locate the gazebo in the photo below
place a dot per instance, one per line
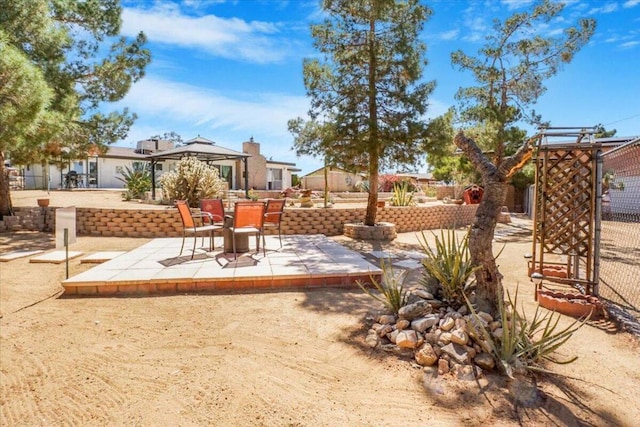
(201, 148)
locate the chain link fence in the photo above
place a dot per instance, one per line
(620, 237)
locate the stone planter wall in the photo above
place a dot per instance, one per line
(165, 222)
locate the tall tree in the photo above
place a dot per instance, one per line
(76, 48)
(509, 72)
(366, 102)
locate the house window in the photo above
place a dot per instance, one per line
(274, 179)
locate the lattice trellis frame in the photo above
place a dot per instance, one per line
(565, 215)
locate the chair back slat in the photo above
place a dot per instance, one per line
(273, 211)
(214, 207)
(185, 214)
(248, 214)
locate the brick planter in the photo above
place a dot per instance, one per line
(571, 304)
(380, 231)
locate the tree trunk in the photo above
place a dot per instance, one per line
(494, 178)
(6, 208)
(372, 201)
(488, 278)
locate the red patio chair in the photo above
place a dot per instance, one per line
(248, 218)
(189, 225)
(273, 216)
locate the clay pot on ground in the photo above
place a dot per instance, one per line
(43, 203)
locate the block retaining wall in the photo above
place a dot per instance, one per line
(165, 222)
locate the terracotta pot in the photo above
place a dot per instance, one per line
(43, 203)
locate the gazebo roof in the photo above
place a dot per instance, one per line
(202, 148)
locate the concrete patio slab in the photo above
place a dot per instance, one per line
(158, 267)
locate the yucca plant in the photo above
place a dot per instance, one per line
(524, 343)
(137, 179)
(391, 291)
(449, 263)
(402, 194)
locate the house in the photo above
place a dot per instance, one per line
(338, 180)
(103, 170)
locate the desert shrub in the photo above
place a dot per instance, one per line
(137, 180)
(449, 263)
(524, 344)
(402, 194)
(390, 289)
(192, 180)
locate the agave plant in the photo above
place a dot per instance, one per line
(137, 179)
(524, 343)
(402, 194)
(391, 292)
(449, 263)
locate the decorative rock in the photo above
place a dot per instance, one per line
(423, 294)
(485, 361)
(444, 338)
(443, 367)
(456, 352)
(424, 323)
(470, 351)
(384, 330)
(459, 336)
(372, 339)
(407, 339)
(415, 310)
(447, 324)
(461, 324)
(467, 372)
(495, 325)
(425, 356)
(387, 319)
(431, 337)
(485, 316)
(402, 324)
(497, 333)
(391, 336)
(463, 310)
(435, 303)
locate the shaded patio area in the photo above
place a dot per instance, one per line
(304, 261)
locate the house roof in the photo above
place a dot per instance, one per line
(123, 153)
(202, 148)
(331, 169)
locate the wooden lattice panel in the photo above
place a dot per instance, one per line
(564, 219)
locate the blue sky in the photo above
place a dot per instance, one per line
(230, 70)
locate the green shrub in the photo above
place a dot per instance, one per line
(450, 264)
(137, 180)
(192, 180)
(392, 293)
(524, 343)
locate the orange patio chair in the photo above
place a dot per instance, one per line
(248, 218)
(189, 225)
(273, 216)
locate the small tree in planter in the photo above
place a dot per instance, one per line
(192, 180)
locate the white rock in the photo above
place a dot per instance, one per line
(495, 325)
(402, 324)
(387, 319)
(407, 339)
(424, 323)
(463, 310)
(497, 333)
(443, 367)
(425, 355)
(459, 336)
(444, 338)
(391, 336)
(485, 316)
(422, 294)
(447, 324)
(372, 339)
(384, 330)
(456, 352)
(461, 323)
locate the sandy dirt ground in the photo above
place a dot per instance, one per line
(267, 359)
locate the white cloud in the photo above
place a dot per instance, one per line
(166, 101)
(630, 3)
(253, 41)
(607, 8)
(629, 45)
(449, 35)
